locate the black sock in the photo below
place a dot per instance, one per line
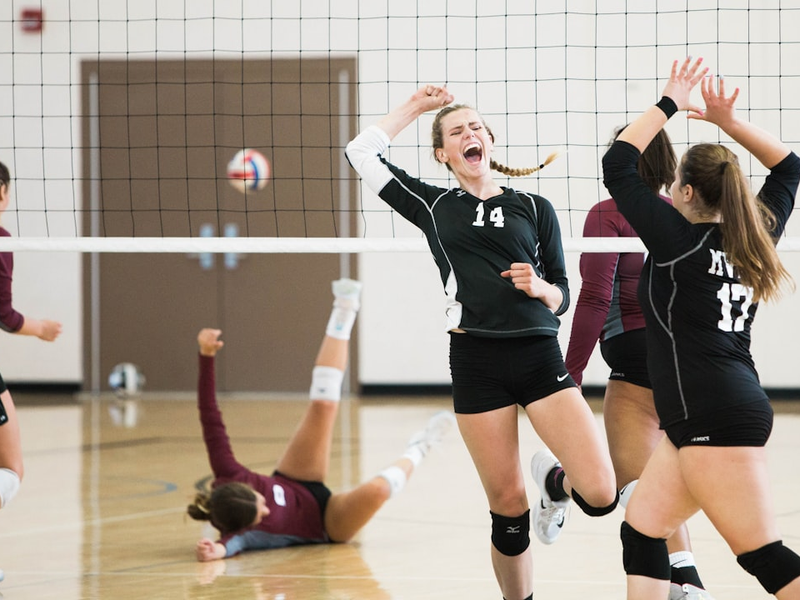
(686, 575)
(554, 484)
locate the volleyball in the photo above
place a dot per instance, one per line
(126, 380)
(248, 170)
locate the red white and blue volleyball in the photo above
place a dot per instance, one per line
(248, 170)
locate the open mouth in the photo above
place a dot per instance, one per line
(473, 153)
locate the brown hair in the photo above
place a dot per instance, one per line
(437, 137)
(229, 507)
(657, 163)
(5, 175)
(747, 225)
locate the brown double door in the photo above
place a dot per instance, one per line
(158, 136)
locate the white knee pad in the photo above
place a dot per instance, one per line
(326, 383)
(9, 486)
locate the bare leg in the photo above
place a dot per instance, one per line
(10, 440)
(657, 510)
(716, 478)
(348, 512)
(492, 441)
(633, 433)
(567, 426)
(307, 457)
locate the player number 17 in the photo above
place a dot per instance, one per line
(734, 295)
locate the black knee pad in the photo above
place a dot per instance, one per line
(594, 511)
(643, 555)
(511, 535)
(774, 565)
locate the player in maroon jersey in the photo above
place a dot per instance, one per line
(293, 506)
(11, 321)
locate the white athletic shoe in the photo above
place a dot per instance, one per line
(425, 439)
(688, 591)
(549, 515)
(347, 293)
(2, 575)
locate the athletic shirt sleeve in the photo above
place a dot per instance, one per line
(665, 232)
(472, 242)
(552, 251)
(594, 300)
(779, 190)
(364, 153)
(10, 320)
(220, 454)
(412, 198)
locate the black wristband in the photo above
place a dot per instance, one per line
(667, 105)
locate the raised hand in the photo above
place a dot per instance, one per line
(209, 342)
(682, 81)
(432, 97)
(719, 108)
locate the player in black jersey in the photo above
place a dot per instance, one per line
(710, 262)
(500, 259)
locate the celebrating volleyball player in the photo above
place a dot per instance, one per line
(293, 506)
(11, 468)
(711, 259)
(608, 309)
(502, 266)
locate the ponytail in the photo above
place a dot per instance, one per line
(522, 172)
(747, 225)
(437, 140)
(229, 507)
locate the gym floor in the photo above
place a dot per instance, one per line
(101, 512)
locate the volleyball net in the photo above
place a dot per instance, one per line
(120, 119)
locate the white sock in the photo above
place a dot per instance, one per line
(9, 486)
(415, 454)
(625, 493)
(681, 559)
(396, 477)
(341, 323)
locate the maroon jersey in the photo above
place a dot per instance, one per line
(295, 516)
(607, 304)
(10, 319)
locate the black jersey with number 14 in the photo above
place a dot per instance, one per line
(472, 242)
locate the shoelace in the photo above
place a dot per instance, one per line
(551, 513)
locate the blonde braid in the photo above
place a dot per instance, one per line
(493, 164)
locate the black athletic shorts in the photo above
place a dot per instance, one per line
(626, 355)
(3, 387)
(491, 373)
(741, 425)
(318, 489)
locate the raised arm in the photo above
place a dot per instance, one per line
(764, 146)
(428, 97)
(675, 97)
(220, 454)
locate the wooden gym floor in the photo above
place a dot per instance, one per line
(101, 512)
